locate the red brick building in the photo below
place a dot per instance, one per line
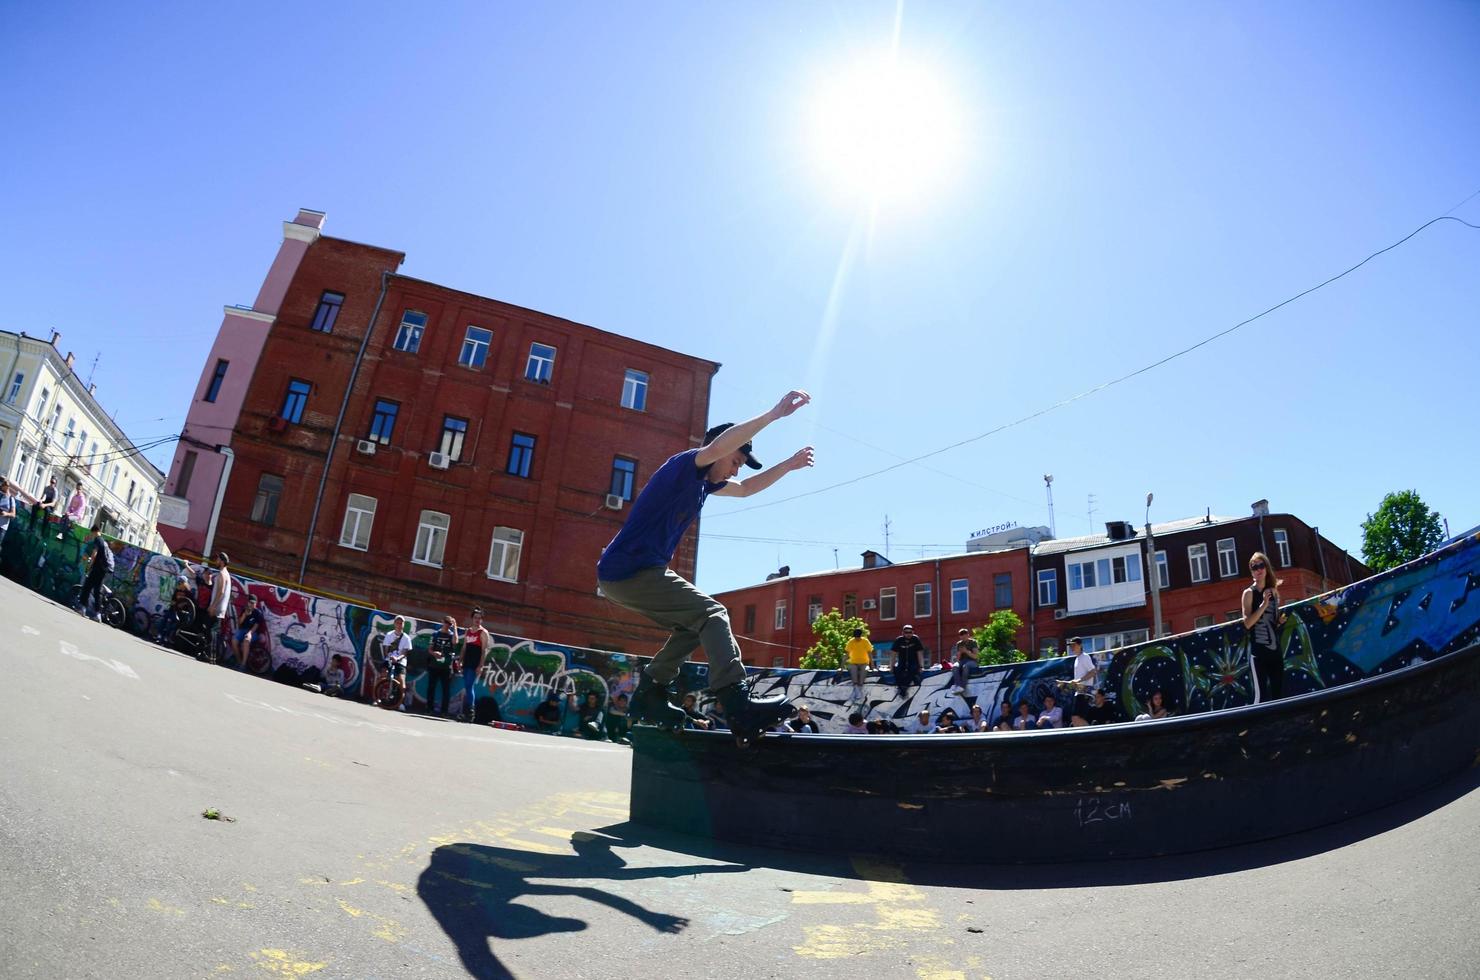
(428, 450)
(937, 596)
(1096, 587)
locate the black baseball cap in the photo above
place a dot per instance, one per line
(714, 433)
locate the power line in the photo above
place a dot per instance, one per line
(1111, 383)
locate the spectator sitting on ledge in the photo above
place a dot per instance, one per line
(1101, 711)
(856, 725)
(547, 715)
(696, 718)
(946, 723)
(1052, 716)
(593, 719)
(803, 723)
(1024, 720)
(1155, 708)
(921, 725)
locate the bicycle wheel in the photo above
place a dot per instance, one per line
(138, 621)
(114, 613)
(184, 607)
(383, 691)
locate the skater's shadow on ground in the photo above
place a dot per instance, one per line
(473, 891)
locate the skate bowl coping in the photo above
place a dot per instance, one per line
(1134, 789)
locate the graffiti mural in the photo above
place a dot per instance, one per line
(1417, 612)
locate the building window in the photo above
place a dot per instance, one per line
(850, 605)
(1197, 559)
(521, 454)
(475, 347)
(1125, 568)
(1282, 546)
(634, 390)
(749, 619)
(1048, 587)
(1082, 575)
(541, 364)
(888, 608)
(219, 375)
(503, 554)
(295, 401)
(20, 378)
(1002, 590)
(383, 422)
(1202, 622)
(814, 609)
(71, 434)
(408, 335)
(265, 505)
(41, 405)
(624, 477)
(187, 470)
(922, 599)
(960, 596)
(431, 538)
(780, 614)
(1227, 558)
(1163, 573)
(133, 487)
(359, 515)
(56, 417)
(454, 430)
(328, 312)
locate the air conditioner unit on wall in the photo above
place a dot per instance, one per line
(871, 603)
(366, 446)
(438, 461)
(614, 501)
(1060, 613)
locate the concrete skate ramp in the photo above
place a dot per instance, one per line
(1136, 789)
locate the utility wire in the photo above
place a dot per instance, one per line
(1111, 383)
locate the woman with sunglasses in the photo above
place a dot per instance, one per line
(1262, 618)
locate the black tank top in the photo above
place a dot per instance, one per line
(1263, 633)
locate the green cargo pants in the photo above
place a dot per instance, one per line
(695, 619)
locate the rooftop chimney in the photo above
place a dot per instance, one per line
(314, 219)
(92, 389)
(56, 335)
(69, 359)
(1261, 508)
(1118, 530)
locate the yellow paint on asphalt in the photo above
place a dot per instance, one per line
(900, 919)
(156, 905)
(388, 929)
(285, 964)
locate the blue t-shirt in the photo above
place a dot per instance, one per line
(660, 516)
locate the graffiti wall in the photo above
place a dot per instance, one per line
(1419, 611)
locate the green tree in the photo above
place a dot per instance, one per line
(1402, 529)
(833, 633)
(998, 639)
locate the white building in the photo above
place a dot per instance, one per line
(52, 426)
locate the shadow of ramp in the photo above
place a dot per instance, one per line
(474, 892)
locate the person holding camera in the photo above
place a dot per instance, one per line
(1262, 618)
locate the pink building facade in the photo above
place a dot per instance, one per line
(204, 452)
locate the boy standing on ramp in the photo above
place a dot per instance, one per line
(633, 571)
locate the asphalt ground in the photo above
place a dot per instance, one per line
(367, 843)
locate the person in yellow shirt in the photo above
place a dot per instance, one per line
(860, 651)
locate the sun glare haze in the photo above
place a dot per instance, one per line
(885, 130)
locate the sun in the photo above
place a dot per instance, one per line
(885, 130)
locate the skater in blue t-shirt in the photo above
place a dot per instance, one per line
(633, 571)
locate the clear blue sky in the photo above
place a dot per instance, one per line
(1130, 179)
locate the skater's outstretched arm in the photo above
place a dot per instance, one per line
(799, 460)
(740, 433)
